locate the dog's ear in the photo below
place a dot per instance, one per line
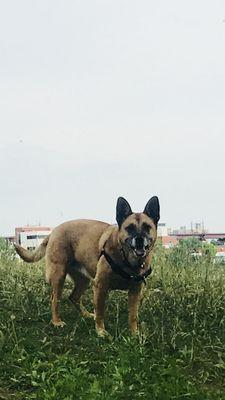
(152, 209)
(123, 210)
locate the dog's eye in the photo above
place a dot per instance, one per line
(131, 229)
(146, 228)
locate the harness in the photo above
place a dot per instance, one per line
(118, 269)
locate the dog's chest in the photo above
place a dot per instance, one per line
(118, 283)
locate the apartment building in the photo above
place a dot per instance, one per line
(31, 237)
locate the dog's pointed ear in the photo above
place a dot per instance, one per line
(152, 209)
(123, 210)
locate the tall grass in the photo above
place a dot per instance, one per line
(179, 353)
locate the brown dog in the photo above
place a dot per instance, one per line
(111, 256)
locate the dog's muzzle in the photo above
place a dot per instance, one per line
(140, 245)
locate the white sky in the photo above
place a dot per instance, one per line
(106, 98)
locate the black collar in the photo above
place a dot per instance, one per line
(124, 274)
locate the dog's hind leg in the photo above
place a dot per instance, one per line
(57, 278)
(81, 285)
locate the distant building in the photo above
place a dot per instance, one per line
(31, 237)
(183, 229)
(207, 236)
(196, 228)
(10, 239)
(163, 233)
(162, 229)
(169, 241)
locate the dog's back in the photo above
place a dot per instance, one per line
(75, 243)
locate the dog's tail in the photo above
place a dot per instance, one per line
(34, 255)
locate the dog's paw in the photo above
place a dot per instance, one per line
(59, 323)
(87, 314)
(103, 334)
(134, 331)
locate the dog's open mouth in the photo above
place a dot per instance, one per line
(139, 253)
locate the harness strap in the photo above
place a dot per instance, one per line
(118, 270)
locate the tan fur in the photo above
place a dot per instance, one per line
(74, 248)
(34, 255)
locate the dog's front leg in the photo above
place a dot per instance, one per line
(100, 295)
(100, 288)
(134, 295)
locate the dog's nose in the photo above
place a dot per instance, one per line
(139, 246)
(139, 243)
(135, 243)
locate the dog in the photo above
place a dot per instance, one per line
(109, 256)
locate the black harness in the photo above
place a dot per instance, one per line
(133, 277)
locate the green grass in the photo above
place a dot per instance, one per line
(179, 353)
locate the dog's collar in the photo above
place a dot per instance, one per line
(124, 274)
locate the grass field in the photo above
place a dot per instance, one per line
(179, 353)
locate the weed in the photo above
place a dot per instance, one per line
(179, 353)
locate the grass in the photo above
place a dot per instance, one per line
(179, 353)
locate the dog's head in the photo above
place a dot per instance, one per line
(137, 231)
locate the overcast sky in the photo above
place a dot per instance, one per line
(106, 98)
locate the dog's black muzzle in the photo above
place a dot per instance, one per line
(140, 245)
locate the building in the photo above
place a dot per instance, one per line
(31, 237)
(10, 239)
(163, 233)
(196, 228)
(162, 229)
(169, 241)
(208, 237)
